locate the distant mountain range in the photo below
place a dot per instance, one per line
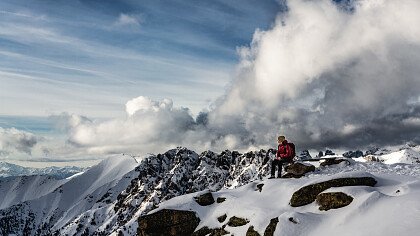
(8, 170)
(108, 198)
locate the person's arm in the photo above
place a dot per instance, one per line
(278, 155)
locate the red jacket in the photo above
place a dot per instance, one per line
(284, 151)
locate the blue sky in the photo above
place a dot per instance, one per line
(90, 57)
(80, 80)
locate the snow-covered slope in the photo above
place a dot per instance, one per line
(18, 189)
(8, 169)
(108, 198)
(391, 207)
(407, 156)
(76, 196)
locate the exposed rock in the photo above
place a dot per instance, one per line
(222, 218)
(333, 200)
(291, 175)
(299, 169)
(329, 153)
(269, 231)
(353, 154)
(320, 154)
(220, 199)
(236, 221)
(259, 187)
(205, 199)
(304, 155)
(212, 232)
(252, 232)
(168, 222)
(332, 161)
(307, 194)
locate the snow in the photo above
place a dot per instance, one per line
(391, 207)
(109, 197)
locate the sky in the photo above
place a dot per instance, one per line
(84, 79)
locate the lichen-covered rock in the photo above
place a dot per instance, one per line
(237, 221)
(299, 169)
(205, 199)
(269, 231)
(251, 232)
(333, 161)
(212, 232)
(333, 200)
(307, 194)
(168, 222)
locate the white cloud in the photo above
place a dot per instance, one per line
(125, 19)
(322, 76)
(14, 141)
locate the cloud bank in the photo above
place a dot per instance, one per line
(14, 141)
(322, 75)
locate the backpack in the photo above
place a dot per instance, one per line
(293, 148)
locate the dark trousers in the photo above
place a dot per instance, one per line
(278, 163)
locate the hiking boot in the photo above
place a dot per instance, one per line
(271, 177)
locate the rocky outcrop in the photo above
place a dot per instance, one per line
(297, 170)
(308, 194)
(353, 154)
(269, 231)
(333, 200)
(237, 221)
(332, 161)
(205, 199)
(252, 232)
(206, 231)
(168, 222)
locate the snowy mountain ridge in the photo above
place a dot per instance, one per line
(8, 170)
(111, 196)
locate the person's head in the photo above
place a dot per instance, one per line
(281, 138)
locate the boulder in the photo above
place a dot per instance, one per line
(168, 222)
(205, 231)
(329, 153)
(353, 154)
(307, 194)
(299, 169)
(333, 200)
(332, 161)
(205, 199)
(222, 218)
(237, 221)
(269, 231)
(304, 155)
(251, 232)
(220, 199)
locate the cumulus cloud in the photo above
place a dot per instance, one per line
(329, 77)
(323, 75)
(16, 141)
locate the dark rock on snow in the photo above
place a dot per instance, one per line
(269, 231)
(204, 199)
(220, 199)
(205, 231)
(307, 194)
(299, 169)
(222, 218)
(334, 200)
(353, 154)
(168, 222)
(237, 221)
(252, 232)
(328, 162)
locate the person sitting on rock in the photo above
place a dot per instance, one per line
(284, 155)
